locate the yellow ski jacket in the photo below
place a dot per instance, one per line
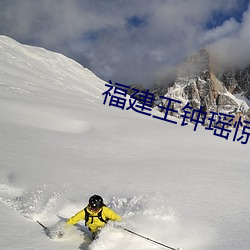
(94, 223)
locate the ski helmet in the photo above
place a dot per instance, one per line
(95, 202)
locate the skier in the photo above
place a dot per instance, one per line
(95, 214)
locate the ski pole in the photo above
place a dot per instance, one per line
(45, 228)
(146, 238)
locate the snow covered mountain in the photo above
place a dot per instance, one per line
(59, 145)
(237, 81)
(198, 84)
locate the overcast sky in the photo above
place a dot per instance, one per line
(131, 41)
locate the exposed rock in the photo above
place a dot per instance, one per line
(237, 81)
(197, 84)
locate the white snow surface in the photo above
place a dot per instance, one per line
(60, 145)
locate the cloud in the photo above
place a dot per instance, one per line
(232, 50)
(125, 41)
(228, 28)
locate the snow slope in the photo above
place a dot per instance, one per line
(60, 144)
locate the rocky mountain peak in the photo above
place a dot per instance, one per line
(197, 84)
(194, 65)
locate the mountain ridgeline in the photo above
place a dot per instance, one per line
(199, 84)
